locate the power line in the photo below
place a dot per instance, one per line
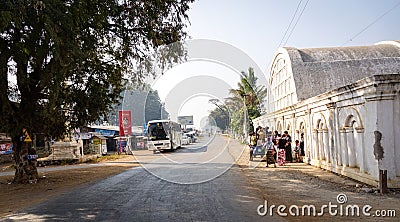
(296, 22)
(294, 15)
(372, 23)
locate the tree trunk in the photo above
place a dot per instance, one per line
(25, 161)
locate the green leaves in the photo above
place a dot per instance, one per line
(70, 58)
(248, 95)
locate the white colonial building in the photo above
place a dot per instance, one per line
(346, 101)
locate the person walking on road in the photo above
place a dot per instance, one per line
(253, 144)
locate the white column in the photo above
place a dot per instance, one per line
(361, 150)
(333, 126)
(321, 145)
(370, 125)
(315, 144)
(308, 141)
(350, 147)
(344, 159)
(325, 137)
(293, 129)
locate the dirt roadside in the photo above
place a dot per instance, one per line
(52, 183)
(299, 184)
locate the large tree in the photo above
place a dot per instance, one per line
(62, 62)
(220, 115)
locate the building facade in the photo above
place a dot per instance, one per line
(346, 101)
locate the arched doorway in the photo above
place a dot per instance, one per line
(320, 138)
(352, 139)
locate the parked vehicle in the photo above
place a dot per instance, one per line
(164, 135)
(192, 136)
(185, 140)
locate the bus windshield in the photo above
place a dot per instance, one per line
(158, 131)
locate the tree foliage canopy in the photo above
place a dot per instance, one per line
(64, 61)
(145, 104)
(251, 94)
(220, 115)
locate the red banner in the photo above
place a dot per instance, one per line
(125, 123)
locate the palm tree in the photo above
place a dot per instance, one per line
(249, 96)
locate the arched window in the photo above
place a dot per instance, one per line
(351, 139)
(354, 138)
(320, 149)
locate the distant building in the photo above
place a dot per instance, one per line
(346, 101)
(113, 139)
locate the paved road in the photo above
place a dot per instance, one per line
(197, 183)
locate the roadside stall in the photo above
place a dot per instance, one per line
(98, 145)
(124, 144)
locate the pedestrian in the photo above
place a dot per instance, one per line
(253, 144)
(275, 136)
(276, 144)
(288, 146)
(281, 156)
(268, 133)
(270, 149)
(302, 153)
(261, 136)
(297, 151)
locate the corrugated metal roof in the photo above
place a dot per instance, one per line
(319, 70)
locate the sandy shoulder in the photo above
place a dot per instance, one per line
(300, 184)
(53, 183)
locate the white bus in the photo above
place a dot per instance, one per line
(163, 135)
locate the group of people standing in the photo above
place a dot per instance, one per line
(278, 147)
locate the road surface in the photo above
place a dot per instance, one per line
(196, 183)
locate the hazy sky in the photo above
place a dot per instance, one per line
(258, 28)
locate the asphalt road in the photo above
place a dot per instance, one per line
(196, 183)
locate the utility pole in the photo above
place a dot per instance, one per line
(245, 117)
